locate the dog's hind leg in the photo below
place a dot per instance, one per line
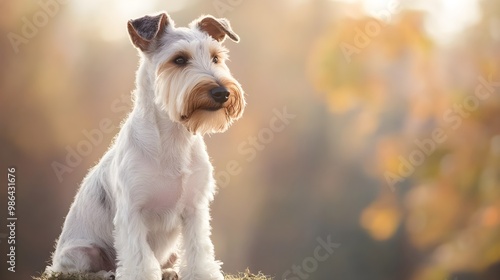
(82, 258)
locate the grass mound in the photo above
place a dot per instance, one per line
(247, 275)
(69, 276)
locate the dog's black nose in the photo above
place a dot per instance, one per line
(220, 94)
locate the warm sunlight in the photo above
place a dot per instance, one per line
(445, 18)
(109, 17)
(369, 146)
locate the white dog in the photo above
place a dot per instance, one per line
(155, 183)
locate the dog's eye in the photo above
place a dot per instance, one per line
(180, 60)
(215, 59)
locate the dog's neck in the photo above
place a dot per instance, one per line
(168, 136)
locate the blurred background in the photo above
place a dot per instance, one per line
(371, 124)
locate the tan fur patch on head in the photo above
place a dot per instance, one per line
(170, 64)
(217, 28)
(199, 99)
(236, 103)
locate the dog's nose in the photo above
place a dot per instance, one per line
(220, 94)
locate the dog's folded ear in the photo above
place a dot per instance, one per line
(217, 28)
(145, 31)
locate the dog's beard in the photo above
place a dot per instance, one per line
(204, 121)
(203, 115)
(195, 108)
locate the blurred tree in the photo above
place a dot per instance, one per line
(406, 91)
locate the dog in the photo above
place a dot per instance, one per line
(147, 200)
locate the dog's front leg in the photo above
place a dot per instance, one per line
(136, 260)
(198, 261)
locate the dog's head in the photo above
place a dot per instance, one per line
(192, 83)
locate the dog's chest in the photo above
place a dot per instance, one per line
(167, 187)
(165, 195)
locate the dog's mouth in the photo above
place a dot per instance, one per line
(209, 109)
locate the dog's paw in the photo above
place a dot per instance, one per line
(108, 275)
(169, 274)
(139, 275)
(199, 275)
(217, 276)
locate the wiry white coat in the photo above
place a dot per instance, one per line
(154, 185)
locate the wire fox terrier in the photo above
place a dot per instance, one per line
(152, 188)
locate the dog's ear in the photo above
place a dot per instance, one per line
(217, 28)
(146, 30)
